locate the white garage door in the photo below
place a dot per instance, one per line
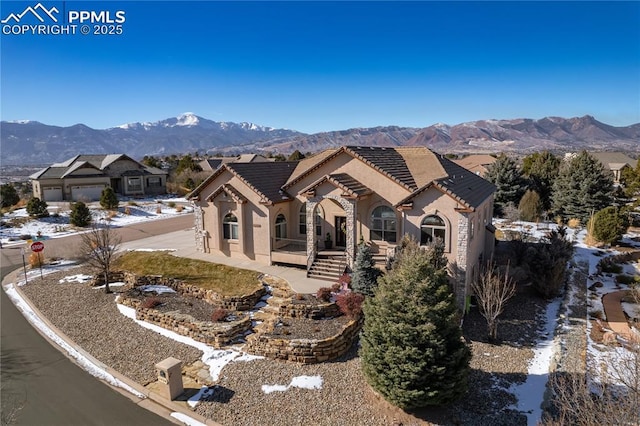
(52, 194)
(86, 192)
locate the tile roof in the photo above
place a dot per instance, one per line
(389, 161)
(265, 178)
(348, 184)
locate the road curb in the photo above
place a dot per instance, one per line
(11, 279)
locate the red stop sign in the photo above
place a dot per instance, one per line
(37, 246)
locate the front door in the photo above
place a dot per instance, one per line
(341, 231)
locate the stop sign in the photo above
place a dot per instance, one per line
(37, 246)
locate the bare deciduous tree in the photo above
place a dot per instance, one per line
(99, 247)
(612, 399)
(493, 290)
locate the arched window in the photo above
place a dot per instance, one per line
(230, 227)
(281, 227)
(302, 219)
(383, 224)
(432, 227)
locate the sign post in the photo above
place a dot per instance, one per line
(24, 264)
(37, 247)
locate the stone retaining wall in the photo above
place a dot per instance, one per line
(305, 351)
(216, 334)
(312, 311)
(231, 303)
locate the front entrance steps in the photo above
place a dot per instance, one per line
(328, 267)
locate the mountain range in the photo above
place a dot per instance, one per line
(31, 142)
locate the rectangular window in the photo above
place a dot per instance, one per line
(154, 182)
(230, 231)
(134, 184)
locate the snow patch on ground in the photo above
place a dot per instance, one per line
(303, 382)
(79, 278)
(186, 419)
(158, 289)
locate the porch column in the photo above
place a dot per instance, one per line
(311, 231)
(241, 227)
(349, 206)
(215, 234)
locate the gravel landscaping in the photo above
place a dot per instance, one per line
(90, 318)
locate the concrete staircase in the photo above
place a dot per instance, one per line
(327, 267)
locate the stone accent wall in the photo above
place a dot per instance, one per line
(305, 351)
(461, 260)
(349, 207)
(232, 303)
(98, 279)
(216, 334)
(199, 230)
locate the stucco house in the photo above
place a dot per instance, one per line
(282, 212)
(616, 162)
(83, 177)
(477, 163)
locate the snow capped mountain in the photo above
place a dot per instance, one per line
(31, 142)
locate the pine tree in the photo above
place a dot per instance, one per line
(412, 352)
(37, 208)
(609, 224)
(507, 178)
(296, 156)
(8, 195)
(530, 206)
(108, 199)
(583, 186)
(542, 169)
(80, 214)
(364, 278)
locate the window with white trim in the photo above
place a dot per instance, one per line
(302, 219)
(432, 229)
(281, 227)
(319, 219)
(383, 226)
(230, 227)
(134, 184)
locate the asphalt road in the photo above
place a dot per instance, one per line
(39, 385)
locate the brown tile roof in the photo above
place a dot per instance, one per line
(348, 184)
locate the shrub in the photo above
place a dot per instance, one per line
(365, 274)
(625, 279)
(548, 262)
(151, 302)
(350, 304)
(127, 211)
(336, 287)
(219, 314)
(37, 208)
(25, 237)
(108, 199)
(171, 204)
(530, 206)
(132, 203)
(608, 225)
(607, 265)
(324, 294)
(158, 210)
(573, 223)
(8, 195)
(179, 209)
(80, 214)
(36, 260)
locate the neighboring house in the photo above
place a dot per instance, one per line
(281, 212)
(615, 161)
(212, 164)
(83, 177)
(477, 163)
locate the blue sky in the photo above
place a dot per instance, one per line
(317, 66)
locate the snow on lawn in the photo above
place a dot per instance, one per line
(216, 359)
(303, 382)
(18, 225)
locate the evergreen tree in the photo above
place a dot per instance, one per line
(296, 156)
(8, 195)
(548, 262)
(583, 186)
(530, 206)
(364, 278)
(187, 163)
(412, 352)
(542, 169)
(37, 208)
(507, 178)
(609, 224)
(80, 214)
(630, 180)
(109, 199)
(151, 161)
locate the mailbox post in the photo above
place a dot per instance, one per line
(170, 375)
